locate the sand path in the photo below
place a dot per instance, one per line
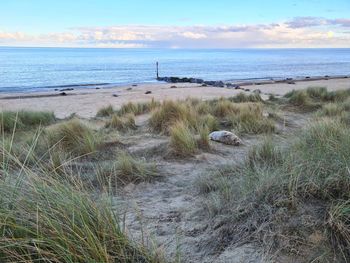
(169, 213)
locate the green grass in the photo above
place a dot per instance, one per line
(169, 113)
(73, 137)
(122, 123)
(312, 98)
(126, 169)
(248, 118)
(138, 108)
(203, 140)
(265, 196)
(105, 111)
(45, 220)
(182, 140)
(242, 97)
(210, 122)
(23, 120)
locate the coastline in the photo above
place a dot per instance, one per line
(85, 102)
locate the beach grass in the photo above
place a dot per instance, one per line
(313, 97)
(122, 123)
(105, 111)
(138, 108)
(23, 120)
(312, 171)
(169, 113)
(49, 220)
(182, 140)
(73, 136)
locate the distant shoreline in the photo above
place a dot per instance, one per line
(57, 89)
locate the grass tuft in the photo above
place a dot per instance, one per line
(23, 120)
(105, 111)
(138, 108)
(182, 140)
(169, 113)
(124, 123)
(46, 220)
(74, 137)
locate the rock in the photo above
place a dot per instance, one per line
(257, 91)
(246, 89)
(237, 87)
(63, 94)
(97, 88)
(56, 89)
(67, 89)
(219, 84)
(134, 85)
(307, 77)
(225, 137)
(115, 95)
(173, 87)
(148, 92)
(129, 89)
(204, 85)
(290, 82)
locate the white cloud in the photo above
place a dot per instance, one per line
(193, 35)
(298, 32)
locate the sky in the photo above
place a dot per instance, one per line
(175, 23)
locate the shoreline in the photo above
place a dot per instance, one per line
(229, 83)
(86, 102)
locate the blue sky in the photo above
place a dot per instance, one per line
(167, 23)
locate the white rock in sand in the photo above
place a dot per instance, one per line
(225, 137)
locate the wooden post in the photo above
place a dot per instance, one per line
(157, 70)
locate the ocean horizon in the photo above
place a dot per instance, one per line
(30, 69)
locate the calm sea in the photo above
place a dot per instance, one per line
(37, 69)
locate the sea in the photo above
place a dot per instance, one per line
(42, 69)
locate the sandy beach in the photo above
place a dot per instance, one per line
(86, 102)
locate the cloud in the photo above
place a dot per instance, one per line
(301, 22)
(298, 32)
(193, 35)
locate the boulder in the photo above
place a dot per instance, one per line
(148, 92)
(225, 137)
